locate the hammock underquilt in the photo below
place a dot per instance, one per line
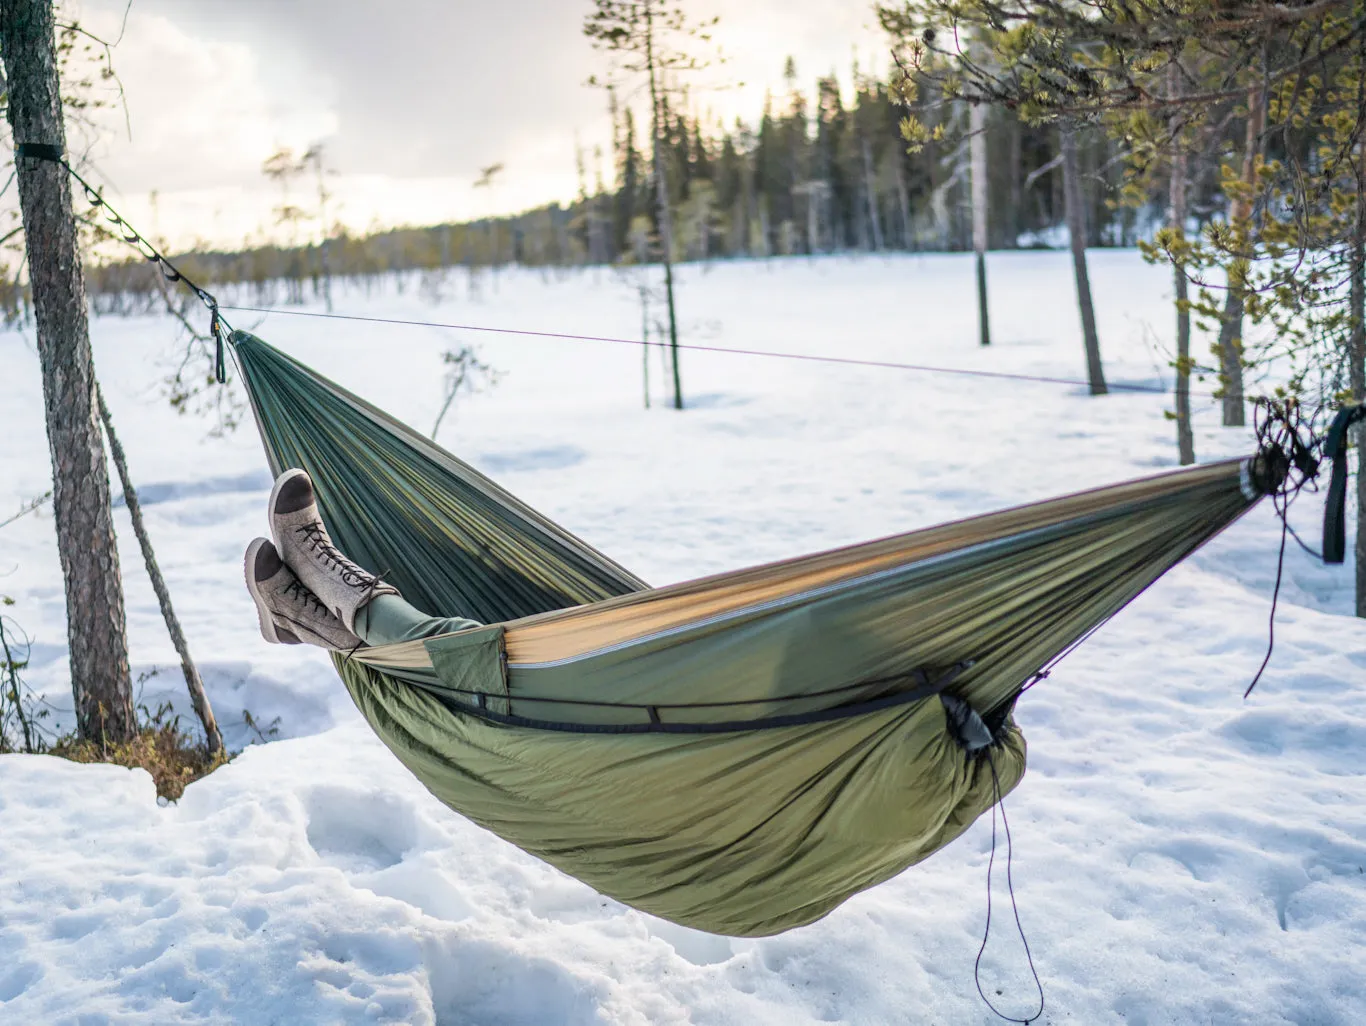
(738, 754)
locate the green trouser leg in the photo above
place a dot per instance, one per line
(387, 619)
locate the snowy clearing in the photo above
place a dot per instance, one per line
(1182, 856)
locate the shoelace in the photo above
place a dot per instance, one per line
(315, 534)
(295, 590)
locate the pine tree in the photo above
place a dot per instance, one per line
(1292, 75)
(647, 38)
(85, 531)
(628, 200)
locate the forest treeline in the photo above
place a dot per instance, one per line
(818, 171)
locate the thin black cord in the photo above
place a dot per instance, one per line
(1301, 542)
(1047, 669)
(848, 360)
(1271, 621)
(1290, 447)
(1010, 885)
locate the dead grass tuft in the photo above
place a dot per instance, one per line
(174, 758)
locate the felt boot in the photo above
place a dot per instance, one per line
(290, 614)
(304, 544)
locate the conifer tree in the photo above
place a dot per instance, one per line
(1291, 74)
(649, 39)
(81, 502)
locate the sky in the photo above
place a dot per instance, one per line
(409, 100)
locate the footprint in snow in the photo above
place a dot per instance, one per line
(359, 832)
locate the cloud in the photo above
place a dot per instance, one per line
(410, 97)
(416, 88)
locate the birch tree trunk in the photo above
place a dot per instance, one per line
(80, 494)
(1231, 326)
(645, 340)
(747, 179)
(813, 241)
(662, 201)
(1357, 367)
(978, 164)
(870, 188)
(1076, 229)
(903, 200)
(1185, 438)
(1012, 220)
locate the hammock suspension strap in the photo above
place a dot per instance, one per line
(219, 329)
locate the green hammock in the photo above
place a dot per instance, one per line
(742, 753)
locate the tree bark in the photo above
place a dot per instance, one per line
(1231, 326)
(662, 200)
(977, 148)
(1357, 366)
(747, 180)
(85, 531)
(645, 340)
(1012, 218)
(199, 699)
(812, 222)
(1231, 359)
(1185, 438)
(870, 188)
(903, 200)
(1076, 229)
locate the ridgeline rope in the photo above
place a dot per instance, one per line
(693, 347)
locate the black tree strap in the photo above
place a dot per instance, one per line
(1335, 507)
(218, 327)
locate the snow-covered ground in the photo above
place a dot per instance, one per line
(1182, 856)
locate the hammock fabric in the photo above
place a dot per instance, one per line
(741, 753)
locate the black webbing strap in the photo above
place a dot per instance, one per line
(41, 151)
(1335, 506)
(928, 689)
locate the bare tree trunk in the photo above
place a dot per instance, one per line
(978, 162)
(1012, 219)
(645, 339)
(85, 529)
(903, 200)
(1185, 438)
(213, 740)
(813, 241)
(747, 179)
(1076, 228)
(1357, 365)
(870, 187)
(662, 199)
(327, 274)
(1231, 326)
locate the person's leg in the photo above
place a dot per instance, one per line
(389, 619)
